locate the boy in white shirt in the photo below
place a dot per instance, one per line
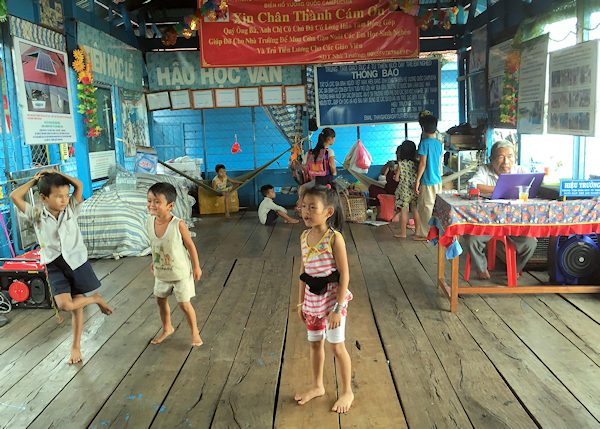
(268, 211)
(69, 273)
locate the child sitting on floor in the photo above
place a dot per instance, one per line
(323, 294)
(268, 211)
(172, 249)
(55, 221)
(224, 184)
(406, 176)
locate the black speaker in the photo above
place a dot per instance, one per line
(574, 259)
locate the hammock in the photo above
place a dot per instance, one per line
(244, 178)
(366, 180)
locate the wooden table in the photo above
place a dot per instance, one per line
(454, 216)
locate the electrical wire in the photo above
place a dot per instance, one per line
(5, 304)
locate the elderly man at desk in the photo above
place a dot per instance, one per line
(502, 161)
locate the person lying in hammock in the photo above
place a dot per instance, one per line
(224, 184)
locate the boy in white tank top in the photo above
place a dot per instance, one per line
(174, 260)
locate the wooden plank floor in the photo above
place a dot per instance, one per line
(500, 361)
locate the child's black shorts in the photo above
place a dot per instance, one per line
(65, 280)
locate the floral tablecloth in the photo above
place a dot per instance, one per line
(454, 215)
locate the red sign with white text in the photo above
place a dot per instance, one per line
(268, 33)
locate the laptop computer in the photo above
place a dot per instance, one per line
(506, 187)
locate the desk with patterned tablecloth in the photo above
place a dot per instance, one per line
(454, 216)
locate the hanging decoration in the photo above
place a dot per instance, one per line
(212, 10)
(426, 18)
(86, 92)
(3, 11)
(236, 146)
(508, 106)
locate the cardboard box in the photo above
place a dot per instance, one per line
(210, 203)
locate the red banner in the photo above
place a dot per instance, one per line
(261, 33)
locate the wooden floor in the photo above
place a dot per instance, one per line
(500, 361)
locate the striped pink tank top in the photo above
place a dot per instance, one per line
(319, 262)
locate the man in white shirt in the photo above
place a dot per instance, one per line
(502, 160)
(268, 211)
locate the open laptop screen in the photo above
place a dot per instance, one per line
(506, 188)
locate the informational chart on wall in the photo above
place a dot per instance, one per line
(43, 86)
(495, 79)
(532, 85)
(377, 93)
(265, 32)
(573, 80)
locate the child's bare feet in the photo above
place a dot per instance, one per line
(75, 356)
(484, 275)
(315, 392)
(344, 402)
(164, 334)
(104, 307)
(227, 215)
(419, 238)
(196, 340)
(400, 235)
(290, 220)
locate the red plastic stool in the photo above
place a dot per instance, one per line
(511, 259)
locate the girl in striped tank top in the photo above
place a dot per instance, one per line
(323, 294)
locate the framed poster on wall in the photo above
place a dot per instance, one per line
(180, 99)
(158, 100)
(44, 93)
(226, 97)
(295, 94)
(572, 103)
(203, 99)
(249, 97)
(272, 95)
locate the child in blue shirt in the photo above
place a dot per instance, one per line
(429, 174)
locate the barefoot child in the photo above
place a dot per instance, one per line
(323, 295)
(223, 184)
(429, 174)
(268, 211)
(55, 221)
(172, 249)
(406, 176)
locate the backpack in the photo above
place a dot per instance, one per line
(317, 166)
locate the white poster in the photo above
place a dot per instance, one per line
(101, 162)
(573, 74)
(496, 66)
(532, 85)
(478, 53)
(44, 93)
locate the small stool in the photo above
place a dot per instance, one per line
(511, 259)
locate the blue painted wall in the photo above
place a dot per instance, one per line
(186, 132)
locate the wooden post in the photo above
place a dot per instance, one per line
(454, 286)
(440, 272)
